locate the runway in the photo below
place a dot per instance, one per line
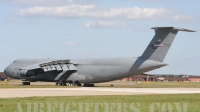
(82, 91)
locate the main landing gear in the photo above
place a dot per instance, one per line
(61, 84)
(76, 83)
(26, 83)
(88, 85)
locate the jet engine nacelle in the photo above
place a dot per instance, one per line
(27, 73)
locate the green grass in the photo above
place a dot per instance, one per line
(158, 85)
(35, 86)
(17, 84)
(192, 102)
(117, 84)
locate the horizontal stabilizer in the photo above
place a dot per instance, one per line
(172, 28)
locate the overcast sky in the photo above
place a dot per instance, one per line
(82, 29)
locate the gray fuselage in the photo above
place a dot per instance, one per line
(88, 70)
(97, 70)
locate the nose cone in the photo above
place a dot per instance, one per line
(7, 71)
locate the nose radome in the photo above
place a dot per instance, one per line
(7, 71)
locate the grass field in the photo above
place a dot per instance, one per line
(143, 103)
(17, 84)
(33, 86)
(122, 103)
(152, 84)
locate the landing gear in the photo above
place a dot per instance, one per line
(71, 83)
(60, 84)
(88, 85)
(26, 83)
(77, 83)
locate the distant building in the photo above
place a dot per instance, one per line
(175, 80)
(184, 79)
(143, 77)
(193, 78)
(2, 75)
(147, 77)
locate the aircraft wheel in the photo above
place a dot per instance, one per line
(56, 84)
(79, 84)
(26, 83)
(64, 84)
(91, 85)
(86, 85)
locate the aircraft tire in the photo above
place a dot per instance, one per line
(26, 83)
(56, 84)
(88, 85)
(79, 84)
(64, 84)
(85, 85)
(91, 85)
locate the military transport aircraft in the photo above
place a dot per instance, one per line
(90, 71)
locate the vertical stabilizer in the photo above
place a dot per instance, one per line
(161, 42)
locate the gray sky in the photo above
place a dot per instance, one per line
(98, 29)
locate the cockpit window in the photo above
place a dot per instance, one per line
(14, 61)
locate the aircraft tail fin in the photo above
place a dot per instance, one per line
(161, 42)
